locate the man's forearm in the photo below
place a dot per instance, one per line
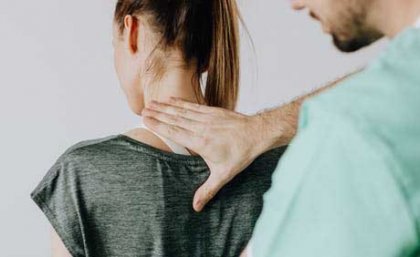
(279, 125)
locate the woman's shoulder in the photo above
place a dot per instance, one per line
(77, 156)
(101, 149)
(83, 148)
(84, 157)
(88, 145)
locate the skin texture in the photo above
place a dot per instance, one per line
(229, 141)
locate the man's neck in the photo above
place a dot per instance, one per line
(397, 15)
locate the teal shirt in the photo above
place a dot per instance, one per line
(349, 184)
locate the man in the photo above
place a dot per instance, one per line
(349, 184)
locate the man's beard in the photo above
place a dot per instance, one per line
(354, 44)
(355, 26)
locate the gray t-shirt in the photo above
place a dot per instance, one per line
(116, 197)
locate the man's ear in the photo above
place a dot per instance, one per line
(131, 25)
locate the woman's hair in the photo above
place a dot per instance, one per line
(207, 33)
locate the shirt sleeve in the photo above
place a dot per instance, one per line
(333, 195)
(56, 196)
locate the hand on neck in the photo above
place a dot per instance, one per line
(181, 83)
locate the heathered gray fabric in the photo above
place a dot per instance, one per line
(115, 196)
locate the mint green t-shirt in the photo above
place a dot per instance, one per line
(349, 184)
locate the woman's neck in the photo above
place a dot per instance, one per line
(180, 83)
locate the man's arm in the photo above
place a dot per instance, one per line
(280, 124)
(228, 141)
(334, 195)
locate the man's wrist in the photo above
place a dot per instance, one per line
(266, 136)
(276, 127)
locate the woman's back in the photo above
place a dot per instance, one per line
(116, 196)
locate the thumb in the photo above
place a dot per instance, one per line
(207, 191)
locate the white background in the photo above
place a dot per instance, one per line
(58, 87)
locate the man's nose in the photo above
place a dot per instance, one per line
(298, 4)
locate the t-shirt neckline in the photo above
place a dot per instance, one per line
(191, 159)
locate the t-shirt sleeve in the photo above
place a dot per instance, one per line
(56, 196)
(333, 195)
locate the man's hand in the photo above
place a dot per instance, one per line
(227, 141)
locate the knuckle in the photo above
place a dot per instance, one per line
(183, 111)
(170, 131)
(200, 130)
(163, 108)
(173, 100)
(174, 118)
(159, 115)
(209, 193)
(204, 141)
(196, 128)
(198, 142)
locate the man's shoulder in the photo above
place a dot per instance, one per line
(383, 97)
(375, 112)
(386, 121)
(386, 91)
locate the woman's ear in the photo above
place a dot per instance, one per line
(131, 25)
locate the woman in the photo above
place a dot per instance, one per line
(130, 194)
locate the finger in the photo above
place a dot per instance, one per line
(173, 120)
(207, 191)
(179, 135)
(178, 111)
